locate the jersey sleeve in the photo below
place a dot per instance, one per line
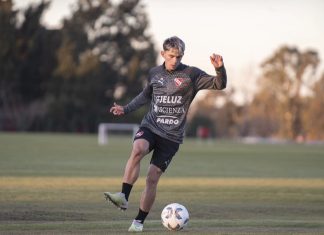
(141, 99)
(206, 81)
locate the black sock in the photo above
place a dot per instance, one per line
(126, 189)
(141, 216)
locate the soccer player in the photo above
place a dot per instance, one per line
(170, 89)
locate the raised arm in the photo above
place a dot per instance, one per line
(218, 82)
(216, 60)
(221, 77)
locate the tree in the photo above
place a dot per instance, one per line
(119, 37)
(28, 60)
(285, 75)
(217, 112)
(8, 75)
(105, 55)
(313, 116)
(30, 45)
(262, 115)
(63, 80)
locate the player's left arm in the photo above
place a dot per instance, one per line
(206, 81)
(221, 77)
(216, 60)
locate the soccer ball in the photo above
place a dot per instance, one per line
(175, 216)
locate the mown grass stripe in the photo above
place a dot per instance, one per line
(76, 182)
(153, 223)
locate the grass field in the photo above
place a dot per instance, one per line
(53, 184)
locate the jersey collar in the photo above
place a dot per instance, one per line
(179, 68)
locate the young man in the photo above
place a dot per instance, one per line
(170, 90)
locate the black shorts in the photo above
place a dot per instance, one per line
(164, 149)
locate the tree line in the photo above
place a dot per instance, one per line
(288, 102)
(65, 79)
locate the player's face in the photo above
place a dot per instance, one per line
(172, 58)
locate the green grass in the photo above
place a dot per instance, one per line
(53, 184)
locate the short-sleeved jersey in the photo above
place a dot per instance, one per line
(170, 94)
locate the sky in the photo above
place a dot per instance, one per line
(244, 32)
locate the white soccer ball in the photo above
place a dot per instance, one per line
(175, 216)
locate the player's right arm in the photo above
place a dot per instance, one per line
(117, 109)
(141, 99)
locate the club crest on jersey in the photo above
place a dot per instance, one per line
(178, 81)
(139, 134)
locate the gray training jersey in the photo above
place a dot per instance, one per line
(170, 95)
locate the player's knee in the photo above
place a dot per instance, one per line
(151, 180)
(153, 176)
(138, 151)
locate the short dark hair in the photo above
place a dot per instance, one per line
(174, 42)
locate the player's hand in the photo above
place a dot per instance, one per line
(216, 60)
(117, 110)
